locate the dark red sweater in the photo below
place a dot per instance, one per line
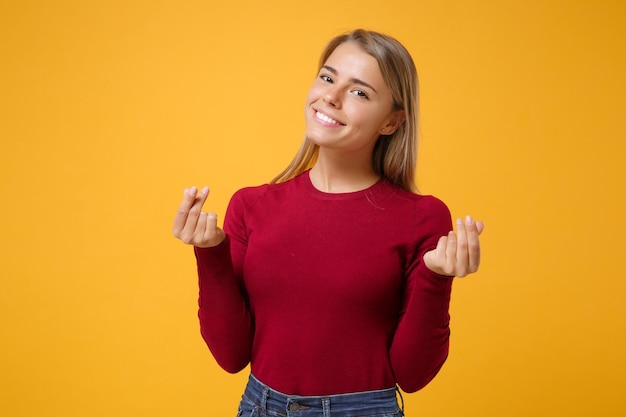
(327, 293)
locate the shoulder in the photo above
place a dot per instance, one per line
(432, 206)
(422, 204)
(419, 220)
(418, 215)
(249, 196)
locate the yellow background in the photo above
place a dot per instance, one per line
(109, 109)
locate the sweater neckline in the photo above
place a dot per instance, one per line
(375, 189)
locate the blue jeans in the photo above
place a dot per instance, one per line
(259, 400)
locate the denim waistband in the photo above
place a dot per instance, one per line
(270, 402)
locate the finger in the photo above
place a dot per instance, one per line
(210, 226)
(473, 245)
(197, 236)
(213, 235)
(193, 214)
(441, 246)
(189, 195)
(451, 250)
(437, 256)
(196, 208)
(462, 255)
(435, 259)
(480, 226)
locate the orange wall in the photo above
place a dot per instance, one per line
(109, 109)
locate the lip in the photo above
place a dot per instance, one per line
(325, 123)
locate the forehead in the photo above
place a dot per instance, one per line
(351, 61)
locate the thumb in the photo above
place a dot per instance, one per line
(432, 257)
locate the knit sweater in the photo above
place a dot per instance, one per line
(327, 293)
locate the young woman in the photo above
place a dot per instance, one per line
(333, 281)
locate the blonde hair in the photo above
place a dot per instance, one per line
(394, 156)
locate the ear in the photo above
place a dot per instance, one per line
(392, 123)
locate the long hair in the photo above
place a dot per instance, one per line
(394, 156)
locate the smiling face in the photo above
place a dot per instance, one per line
(349, 105)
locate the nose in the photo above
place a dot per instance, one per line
(332, 96)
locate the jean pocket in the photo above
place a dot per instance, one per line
(247, 409)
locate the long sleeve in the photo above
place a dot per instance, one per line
(226, 322)
(420, 345)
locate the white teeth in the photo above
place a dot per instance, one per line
(325, 118)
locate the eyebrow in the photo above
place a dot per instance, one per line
(354, 80)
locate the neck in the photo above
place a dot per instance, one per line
(341, 174)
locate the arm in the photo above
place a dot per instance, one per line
(225, 320)
(420, 344)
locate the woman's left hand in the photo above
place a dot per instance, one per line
(457, 254)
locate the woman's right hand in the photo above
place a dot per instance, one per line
(194, 226)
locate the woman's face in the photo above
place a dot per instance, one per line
(349, 105)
